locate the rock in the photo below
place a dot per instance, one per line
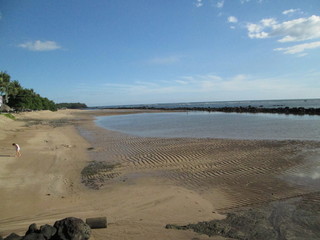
(13, 236)
(99, 222)
(34, 236)
(32, 229)
(48, 231)
(294, 218)
(71, 229)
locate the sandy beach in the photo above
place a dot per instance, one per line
(71, 167)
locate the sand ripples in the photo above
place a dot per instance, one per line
(247, 171)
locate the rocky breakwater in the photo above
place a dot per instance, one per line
(248, 109)
(66, 229)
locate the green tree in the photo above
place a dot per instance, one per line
(17, 97)
(8, 88)
(4, 85)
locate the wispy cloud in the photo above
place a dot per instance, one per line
(198, 3)
(242, 84)
(247, 1)
(39, 45)
(291, 11)
(232, 19)
(244, 1)
(202, 88)
(299, 48)
(220, 4)
(164, 60)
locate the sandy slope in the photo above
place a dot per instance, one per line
(44, 185)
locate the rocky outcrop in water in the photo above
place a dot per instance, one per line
(66, 229)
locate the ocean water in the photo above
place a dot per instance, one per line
(305, 103)
(215, 125)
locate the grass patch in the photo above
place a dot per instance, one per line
(9, 115)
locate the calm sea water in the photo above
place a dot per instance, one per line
(215, 125)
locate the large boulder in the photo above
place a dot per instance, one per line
(71, 229)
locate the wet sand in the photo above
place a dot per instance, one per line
(142, 184)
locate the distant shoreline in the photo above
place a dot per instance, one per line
(249, 109)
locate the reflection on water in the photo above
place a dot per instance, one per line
(307, 175)
(216, 125)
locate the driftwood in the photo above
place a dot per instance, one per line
(98, 222)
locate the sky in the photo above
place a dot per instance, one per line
(117, 52)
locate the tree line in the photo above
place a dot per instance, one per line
(71, 105)
(20, 98)
(23, 99)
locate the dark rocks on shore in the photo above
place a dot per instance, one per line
(48, 231)
(72, 229)
(296, 218)
(13, 236)
(66, 229)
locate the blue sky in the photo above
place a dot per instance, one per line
(113, 52)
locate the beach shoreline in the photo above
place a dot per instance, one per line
(154, 182)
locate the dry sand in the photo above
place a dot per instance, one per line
(154, 182)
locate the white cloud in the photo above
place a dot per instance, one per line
(296, 30)
(255, 31)
(291, 11)
(244, 1)
(40, 45)
(199, 3)
(220, 4)
(268, 22)
(232, 19)
(299, 48)
(300, 29)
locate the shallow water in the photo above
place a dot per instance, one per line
(215, 125)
